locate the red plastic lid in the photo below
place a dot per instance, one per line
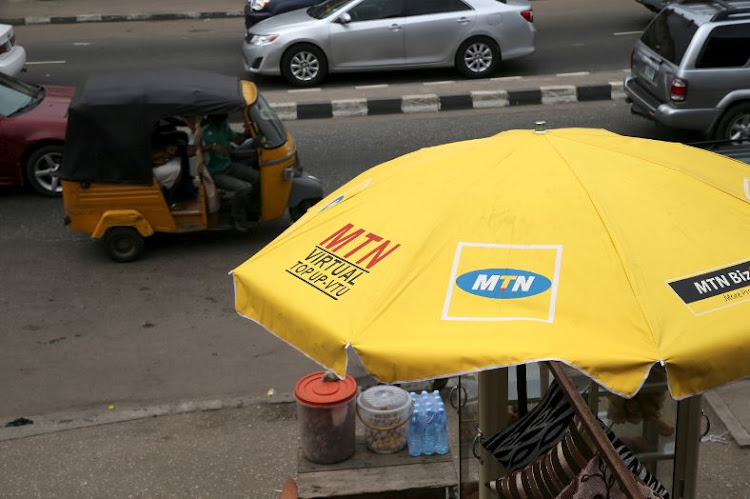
(313, 390)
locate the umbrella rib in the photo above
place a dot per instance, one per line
(394, 294)
(611, 238)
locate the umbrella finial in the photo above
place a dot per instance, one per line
(540, 127)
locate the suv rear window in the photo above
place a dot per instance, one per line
(669, 35)
(727, 47)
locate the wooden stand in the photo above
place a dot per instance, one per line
(369, 475)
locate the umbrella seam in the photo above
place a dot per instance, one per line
(615, 245)
(478, 143)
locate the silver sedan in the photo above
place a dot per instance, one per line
(367, 35)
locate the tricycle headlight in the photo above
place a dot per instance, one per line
(258, 4)
(262, 39)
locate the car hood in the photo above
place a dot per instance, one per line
(288, 21)
(55, 104)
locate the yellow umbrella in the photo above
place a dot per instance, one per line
(606, 252)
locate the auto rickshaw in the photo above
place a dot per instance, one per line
(109, 187)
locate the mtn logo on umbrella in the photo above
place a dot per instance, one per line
(503, 284)
(714, 289)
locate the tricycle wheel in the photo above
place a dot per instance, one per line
(296, 212)
(123, 244)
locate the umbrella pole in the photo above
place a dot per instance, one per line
(493, 417)
(608, 452)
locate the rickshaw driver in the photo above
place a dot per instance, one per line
(234, 176)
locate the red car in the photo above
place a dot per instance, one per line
(32, 133)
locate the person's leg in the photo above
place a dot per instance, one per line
(241, 192)
(244, 172)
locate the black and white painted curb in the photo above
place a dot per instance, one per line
(426, 103)
(116, 18)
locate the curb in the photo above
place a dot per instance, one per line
(110, 18)
(63, 421)
(424, 103)
(738, 432)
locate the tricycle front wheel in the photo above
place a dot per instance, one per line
(123, 244)
(296, 212)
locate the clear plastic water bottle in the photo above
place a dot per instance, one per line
(414, 441)
(442, 446)
(429, 428)
(436, 397)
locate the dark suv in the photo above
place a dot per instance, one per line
(691, 68)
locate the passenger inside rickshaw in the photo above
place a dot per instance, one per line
(171, 151)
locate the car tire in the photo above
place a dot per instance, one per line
(123, 244)
(42, 170)
(735, 124)
(477, 58)
(296, 212)
(304, 65)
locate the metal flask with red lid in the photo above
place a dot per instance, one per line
(326, 412)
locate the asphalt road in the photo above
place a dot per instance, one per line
(79, 331)
(572, 36)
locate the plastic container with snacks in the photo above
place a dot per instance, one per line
(326, 412)
(385, 411)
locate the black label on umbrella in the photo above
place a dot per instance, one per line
(726, 281)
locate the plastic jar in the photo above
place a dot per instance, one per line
(326, 412)
(385, 411)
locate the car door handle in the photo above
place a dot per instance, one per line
(463, 20)
(394, 27)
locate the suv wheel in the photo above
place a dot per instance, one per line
(477, 58)
(304, 65)
(735, 124)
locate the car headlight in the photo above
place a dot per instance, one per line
(259, 4)
(262, 39)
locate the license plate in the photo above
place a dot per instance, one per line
(649, 73)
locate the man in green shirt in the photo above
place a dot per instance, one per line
(228, 174)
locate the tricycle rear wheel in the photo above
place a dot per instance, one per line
(123, 244)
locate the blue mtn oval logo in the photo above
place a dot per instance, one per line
(503, 284)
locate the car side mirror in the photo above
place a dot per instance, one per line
(344, 18)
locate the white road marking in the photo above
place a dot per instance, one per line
(579, 73)
(33, 63)
(438, 82)
(627, 33)
(367, 87)
(506, 78)
(303, 90)
(81, 44)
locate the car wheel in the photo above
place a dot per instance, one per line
(735, 124)
(123, 244)
(43, 170)
(296, 212)
(304, 65)
(477, 58)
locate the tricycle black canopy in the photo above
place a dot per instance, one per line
(108, 136)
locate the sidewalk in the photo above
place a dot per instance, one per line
(219, 450)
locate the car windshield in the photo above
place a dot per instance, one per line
(669, 35)
(326, 8)
(17, 96)
(267, 124)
